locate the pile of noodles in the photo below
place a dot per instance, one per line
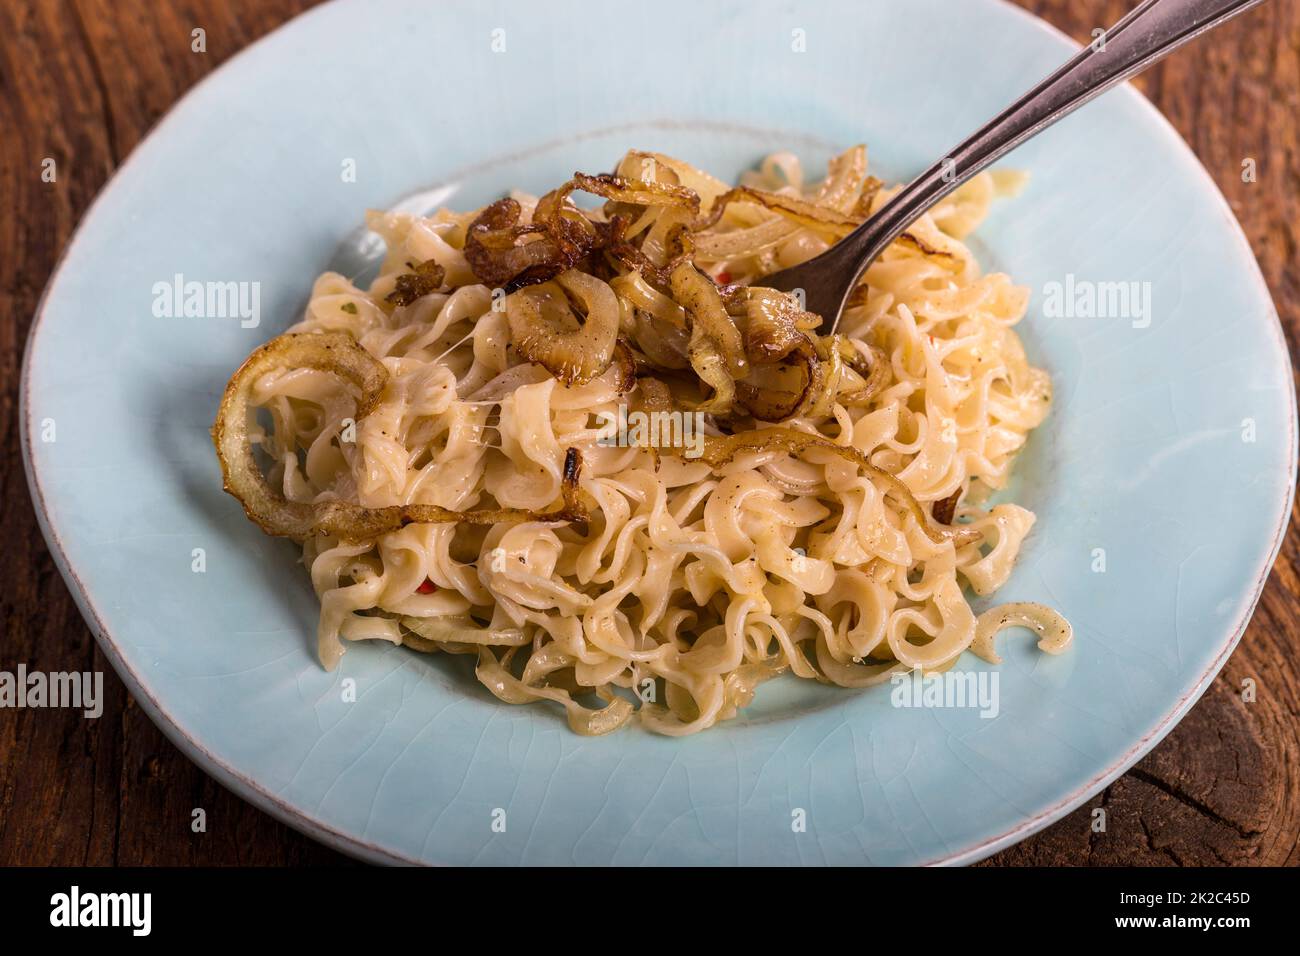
(433, 443)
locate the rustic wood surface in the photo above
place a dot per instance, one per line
(83, 80)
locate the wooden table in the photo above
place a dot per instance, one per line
(83, 80)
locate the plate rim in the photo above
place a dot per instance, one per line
(248, 788)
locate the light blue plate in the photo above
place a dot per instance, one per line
(1172, 448)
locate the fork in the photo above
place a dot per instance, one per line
(1150, 31)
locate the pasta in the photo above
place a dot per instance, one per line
(587, 448)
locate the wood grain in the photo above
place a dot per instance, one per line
(81, 81)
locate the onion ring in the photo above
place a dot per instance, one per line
(339, 354)
(544, 330)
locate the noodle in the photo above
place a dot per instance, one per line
(749, 497)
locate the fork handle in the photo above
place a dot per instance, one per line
(1150, 31)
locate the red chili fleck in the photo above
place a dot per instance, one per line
(724, 277)
(428, 587)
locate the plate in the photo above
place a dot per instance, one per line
(1162, 480)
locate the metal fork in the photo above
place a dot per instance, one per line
(1149, 32)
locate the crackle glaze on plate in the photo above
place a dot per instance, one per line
(1143, 457)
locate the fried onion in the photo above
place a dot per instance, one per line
(637, 192)
(945, 508)
(769, 403)
(696, 291)
(799, 211)
(423, 279)
(338, 354)
(711, 367)
(544, 330)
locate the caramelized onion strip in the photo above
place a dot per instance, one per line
(839, 192)
(338, 354)
(697, 293)
(633, 289)
(637, 192)
(709, 364)
(775, 404)
(544, 329)
(799, 211)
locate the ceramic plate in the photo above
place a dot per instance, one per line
(1161, 481)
